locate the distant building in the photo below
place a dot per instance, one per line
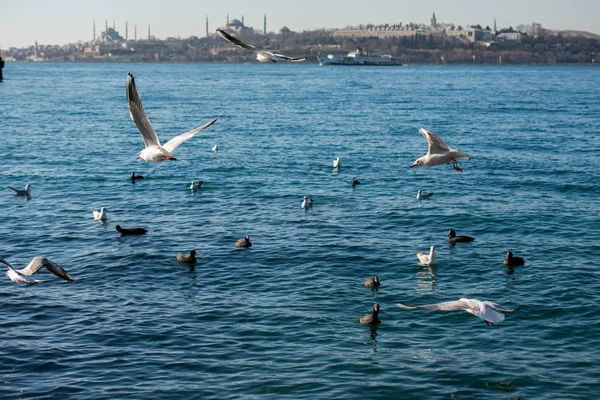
(516, 36)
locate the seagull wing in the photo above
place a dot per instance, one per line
(424, 258)
(236, 41)
(487, 313)
(445, 306)
(499, 307)
(177, 140)
(38, 262)
(436, 145)
(3, 261)
(288, 58)
(138, 115)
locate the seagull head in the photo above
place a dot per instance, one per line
(418, 162)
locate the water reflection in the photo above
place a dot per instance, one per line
(373, 337)
(426, 277)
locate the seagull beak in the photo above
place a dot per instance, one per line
(413, 165)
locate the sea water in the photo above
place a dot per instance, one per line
(281, 319)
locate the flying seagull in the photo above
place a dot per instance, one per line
(486, 310)
(261, 55)
(24, 275)
(438, 153)
(153, 151)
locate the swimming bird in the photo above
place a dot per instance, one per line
(135, 177)
(243, 242)
(153, 151)
(372, 282)
(100, 215)
(133, 231)
(337, 164)
(513, 261)
(261, 55)
(216, 147)
(187, 258)
(355, 181)
(373, 318)
(438, 153)
(195, 185)
(22, 192)
(486, 310)
(306, 203)
(24, 275)
(423, 196)
(452, 238)
(427, 259)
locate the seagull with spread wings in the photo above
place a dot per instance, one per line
(486, 310)
(438, 153)
(261, 55)
(24, 275)
(153, 151)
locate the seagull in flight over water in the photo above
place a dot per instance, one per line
(486, 310)
(261, 55)
(153, 151)
(24, 275)
(438, 153)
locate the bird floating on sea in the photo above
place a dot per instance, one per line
(373, 318)
(372, 282)
(306, 203)
(135, 177)
(215, 147)
(452, 238)
(337, 164)
(427, 259)
(24, 275)
(423, 196)
(355, 181)
(22, 192)
(243, 242)
(261, 55)
(513, 261)
(438, 153)
(195, 185)
(187, 258)
(132, 231)
(153, 151)
(486, 310)
(100, 215)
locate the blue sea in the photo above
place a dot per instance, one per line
(281, 319)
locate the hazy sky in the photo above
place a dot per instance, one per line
(22, 22)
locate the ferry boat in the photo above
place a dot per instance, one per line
(359, 57)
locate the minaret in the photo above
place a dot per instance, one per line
(106, 25)
(227, 18)
(207, 26)
(135, 32)
(148, 32)
(433, 21)
(94, 37)
(126, 31)
(265, 24)
(242, 20)
(495, 27)
(114, 29)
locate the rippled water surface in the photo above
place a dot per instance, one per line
(281, 319)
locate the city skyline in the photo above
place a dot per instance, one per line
(69, 21)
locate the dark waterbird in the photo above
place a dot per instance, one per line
(373, 318)
(513, 261)
(355, 181)
(133, 231)
(187, 258)
(452, 238)
(135, 177)
(243, 242)
(372, 282)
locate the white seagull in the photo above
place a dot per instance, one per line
(438, 153)
(427, 259)
(423, 196)
(195, 185)
(216, 147)
(337, 164)
(22, 192)
(306, 203)
(261, 55)
(486, 310)
(153, 151)
(100, 215)
(24, 275)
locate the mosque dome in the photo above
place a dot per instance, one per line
(236, 23)
(285, 29)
